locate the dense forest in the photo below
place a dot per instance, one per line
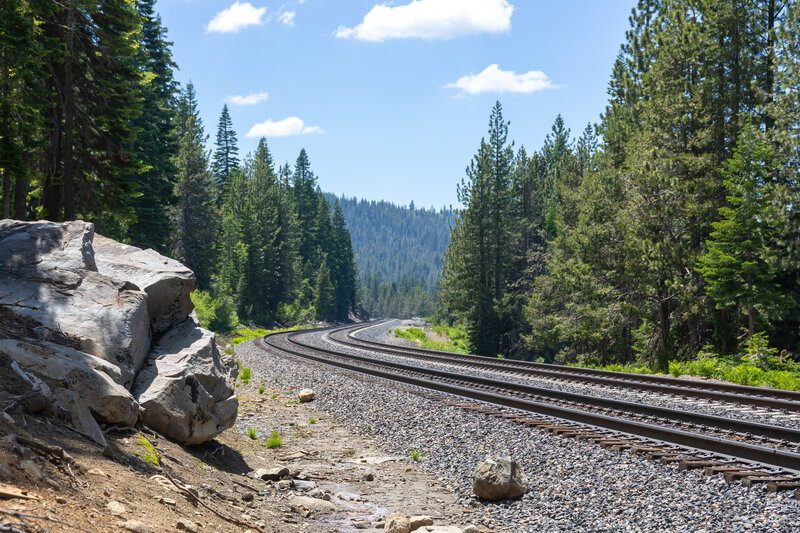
(94, 126)
(399, 254)
(669, 228)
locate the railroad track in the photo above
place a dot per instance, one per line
(751, 452)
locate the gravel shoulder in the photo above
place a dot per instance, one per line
(574, 486)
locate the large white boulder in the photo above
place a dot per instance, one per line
(89, 377)
(499, 478)
(184, 389)
(167, 282)
(48, 273)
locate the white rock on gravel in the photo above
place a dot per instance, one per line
(306, 395)
(82, 418)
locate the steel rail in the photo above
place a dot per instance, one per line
(723, 423)
(755, 396)
(730, 448)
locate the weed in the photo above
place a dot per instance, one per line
(414, 454)
(252, 433)
(312, 420)
(349, 453)
(244, 375)
(274, 395)
(275, 440)
(150, 454)
(261, 390)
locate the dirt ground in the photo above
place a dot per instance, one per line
(53, 479)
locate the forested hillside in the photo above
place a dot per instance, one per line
(670, 227)
(399, 252)
(94, 126)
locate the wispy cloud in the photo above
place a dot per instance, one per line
(494, 80)
(250, 99)
(239, 15)
(287, 17)
(431, 19)
(282, 128)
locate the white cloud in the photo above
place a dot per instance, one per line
(282, 128)
(250, 99)
(494, 80)
(287, 17)
(431, 19)
(238, 16)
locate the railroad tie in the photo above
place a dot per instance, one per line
(695, 464)
(736, 475)
(750, 481)
(778, 486)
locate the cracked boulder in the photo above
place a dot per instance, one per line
(89, 377)
(49, 275)
(184, 387)
(167, 282)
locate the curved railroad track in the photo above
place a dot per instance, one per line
(747, 451)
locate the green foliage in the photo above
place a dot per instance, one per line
(417, 335)
(274, 395)
(215, 313)
(261, 390)
(244, 375)
(149, 452)
(414, 454)
(252, 433)
(312, 421)
(274, 440)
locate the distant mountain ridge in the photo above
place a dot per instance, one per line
(394, 242)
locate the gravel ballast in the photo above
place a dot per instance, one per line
(574, 486)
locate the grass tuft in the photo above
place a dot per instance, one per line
(252, 433)
(275, 440)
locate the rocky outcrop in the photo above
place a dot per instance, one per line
(167, 282)
(397, 523)
(499, 478)
(79, 372)
(183, 388)
(48, 273)
(101, 302)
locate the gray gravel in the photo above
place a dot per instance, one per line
(574, 486)
(730, 410)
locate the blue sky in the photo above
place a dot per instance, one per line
(391, 100)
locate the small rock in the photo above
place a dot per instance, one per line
(167, 501)
(135, 526)
(397, 523)
(32, 469)
(380, 525)
(499, 478)
(306, 395)
(368, 477)
(61, 500)
(313, 504)
(97, 472)
(272, 474)
(248, 497)
(470, 529)
(186, 525)
(5, 472)
(304, 485)
(116, 508)
(9, 419)
(284, 484)
(417, 522)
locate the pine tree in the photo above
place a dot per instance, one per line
(195, 214)
(323, 293)
(342, 267)
(739, 265)
(156, 141)
(225, 159)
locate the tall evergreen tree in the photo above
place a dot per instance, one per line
(195, 214)
(225, 159)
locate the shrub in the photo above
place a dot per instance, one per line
(312, 421)
(676, 368)
(244, 375)
(261, 390)
(251, 433)
(215, 313)
(275, 440)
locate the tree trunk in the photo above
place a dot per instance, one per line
(6, 192)
(20, 197)
(751, 320)
(69, 113)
